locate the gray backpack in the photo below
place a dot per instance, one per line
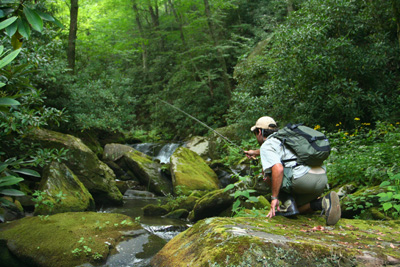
(310, 146)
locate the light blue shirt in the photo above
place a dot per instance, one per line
(272, 152)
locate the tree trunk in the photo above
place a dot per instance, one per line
(73, 28)
(290, 7)
(144, 48)
(396, 12)
(220, 56)
(178, 20)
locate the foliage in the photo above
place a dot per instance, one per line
(330, 61)
(242, 193)
(43, 200)
(390, 200)
(365, 155)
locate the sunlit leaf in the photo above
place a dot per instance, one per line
(7, 22)
(387, 206)
(229, 187)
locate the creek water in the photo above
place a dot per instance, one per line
(143, 244)
(161, 152)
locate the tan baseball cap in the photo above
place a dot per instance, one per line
(264, 123)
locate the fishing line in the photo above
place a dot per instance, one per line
(202, 123)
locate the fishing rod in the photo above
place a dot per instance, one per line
(202, 123)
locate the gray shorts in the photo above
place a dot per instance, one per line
(308, 187)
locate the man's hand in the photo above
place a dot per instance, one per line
(251, 154)
(274, 204)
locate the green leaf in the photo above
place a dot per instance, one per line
(2, 167)
(384, 183)
(387, 206)
(1, 49)
(252, 199)
(45, 16)
(8, 102)
(2, 14)
(397, 207)
(58, 23)
(10, 57)
(12, 192)
(34, 19)
(229, 187)
(236, 205)
(23, 28)
(12, 29)
(7, 22)
(10, 180)
(28, 172)
(2, 84)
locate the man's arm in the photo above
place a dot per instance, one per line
(251, 154)
(276, 177)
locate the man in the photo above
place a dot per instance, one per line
(306, 183)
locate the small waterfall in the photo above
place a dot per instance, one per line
(157, 151)
(166, 151)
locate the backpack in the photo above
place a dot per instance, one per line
(310, 146)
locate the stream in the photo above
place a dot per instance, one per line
(143, 245)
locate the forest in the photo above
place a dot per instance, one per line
(104, 68)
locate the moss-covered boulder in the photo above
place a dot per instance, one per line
(114, 152)
(65, 239)
(63, 191)
(281, 241)
(190, 172)
(212, 204)
(96, 176)
(147, 172)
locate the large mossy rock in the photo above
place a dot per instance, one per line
(64, 190)
(211, 204)
(96, 176)
(147, 172)
(282, 241)
(190, 172)
(114, 152)
(60, 240)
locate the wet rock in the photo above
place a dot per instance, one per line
(190, 172)
(60, 240)
(137, 193)
(63, 191)
(177, 214)
(155, 210)
(95, 175)
(148, 172)
(280, 241)
(212, 204)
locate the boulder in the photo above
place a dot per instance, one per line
(212, 204)
(280, 241)
(148, 172)
(190, 172)
(200, 145)
(66, 239)
(63, 190)
(114, 152)
(95, 175)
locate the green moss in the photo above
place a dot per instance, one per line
(50, 242)
(281, 241)
(191, 172)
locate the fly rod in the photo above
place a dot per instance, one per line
(202, 123)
